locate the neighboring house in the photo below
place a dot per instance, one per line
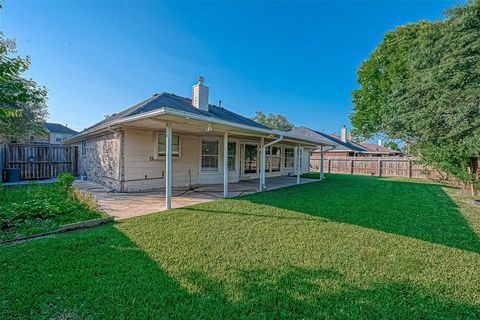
(168, 140)
(56, 133)
(346, 147)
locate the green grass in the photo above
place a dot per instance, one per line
(346, 248)
(37, 208)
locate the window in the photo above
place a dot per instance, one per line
(162, 147)
(276, 159)
(209, 155)
(289, 157)
(84, 148)
(232, 150)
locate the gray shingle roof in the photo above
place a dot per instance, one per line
(58, 128)
(347, 146)
(361, 147)
(172, 101)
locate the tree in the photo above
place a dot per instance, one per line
(392, 145)
(22, 102)
(274, 121)
(422, 85)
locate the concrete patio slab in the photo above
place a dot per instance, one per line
(132, 204)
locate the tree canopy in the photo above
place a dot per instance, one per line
(392, 145)
(274, 121)
(22, 101)
(422, 85)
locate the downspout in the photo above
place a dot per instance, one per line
(262, 173)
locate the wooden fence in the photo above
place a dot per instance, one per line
(40, 161)
(382, 167)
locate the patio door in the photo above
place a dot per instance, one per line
(250, 162)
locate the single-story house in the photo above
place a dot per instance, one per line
(345, 146)
(171, 141)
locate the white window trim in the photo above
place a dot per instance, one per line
(156, 156)
(237, 151)
(283, 157)
(84, 148)
(219, 149)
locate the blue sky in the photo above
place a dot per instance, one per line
(297, 59)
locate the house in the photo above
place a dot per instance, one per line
(55, 133)
(346, 147)
(171, 141)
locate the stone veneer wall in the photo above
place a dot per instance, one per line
(101, 163)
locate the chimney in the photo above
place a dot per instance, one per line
(200, 95)
(343, 134)
(379, 142)
(349, 136)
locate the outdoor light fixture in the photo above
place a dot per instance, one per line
(209, 128)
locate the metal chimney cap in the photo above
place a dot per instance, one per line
(201, 80)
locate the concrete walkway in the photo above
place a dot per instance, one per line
(132, 204)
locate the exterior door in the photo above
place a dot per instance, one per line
(250, 163)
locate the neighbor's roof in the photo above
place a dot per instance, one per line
(58, 128)
(371, 147)
(172, 101)
(342, 146)
(360, 147)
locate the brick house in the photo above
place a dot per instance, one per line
(168, 140)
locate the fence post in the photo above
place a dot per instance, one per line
(379, 165)
(50, 158)
(329, 165)
(2, 158)
(351, 166)
(409, 169)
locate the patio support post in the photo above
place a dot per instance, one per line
(321, 164)
(264, 155)
(262, 162)
(225, 165)
(299, 150)
(168, 166)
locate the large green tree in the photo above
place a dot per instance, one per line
(422, 85)
(274, 121)
(22, 102)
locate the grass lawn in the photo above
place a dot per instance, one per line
(347, 248)
(37, 208)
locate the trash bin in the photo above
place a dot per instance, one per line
(12, 175)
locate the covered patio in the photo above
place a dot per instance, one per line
(173, 143)
(132, 204)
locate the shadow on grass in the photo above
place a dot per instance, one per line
(418, 210)
(101, 273)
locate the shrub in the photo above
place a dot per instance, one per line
(66, 179)
(85, 198)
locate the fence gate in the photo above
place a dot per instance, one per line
(41, 161)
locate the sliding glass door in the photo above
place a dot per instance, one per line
(251, 159)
